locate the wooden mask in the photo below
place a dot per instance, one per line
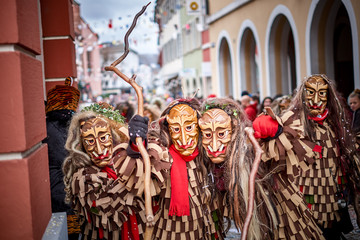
(215, 126)
(183, 128)
(97, 140)
(316, 90)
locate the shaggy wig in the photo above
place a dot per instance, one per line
(237, 171)
(77, 156)
(339, 119)
(339, 115)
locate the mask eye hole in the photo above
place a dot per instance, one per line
(175, 129)
(104, 138)
(90, 142)
(322, 94)
(189, 128)
(310, 92)
(222, 134)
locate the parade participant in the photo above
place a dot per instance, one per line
(280, 104)
(354, 102)
(229, 157)
(126, 109)
(62, 102)
(249, 107)
(286, 153)
(152, 112)
(265, 103)
(104, 177)
(335, 170)
(183, 211)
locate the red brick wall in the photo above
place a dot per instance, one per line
(25, 190)
(58, 42)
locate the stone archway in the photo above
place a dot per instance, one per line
(249, 66)
(282, 57)
(331, 44)
(225, 69)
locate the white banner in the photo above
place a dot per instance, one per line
(193, 7)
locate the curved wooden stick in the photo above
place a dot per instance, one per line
(250, 209)
(139, 144)
(126, 41)
(147, 166)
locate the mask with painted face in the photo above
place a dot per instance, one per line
(316, 91)
(215, 126)
(97, 140)
(284, 104)
(183, 128)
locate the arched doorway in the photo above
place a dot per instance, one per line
(331, 45)
(249, 68)
(225, 69)
(343, 59)
(282, 57)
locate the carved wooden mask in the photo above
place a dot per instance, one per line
(316, 91)
(97, 140)
(215, 126)
(183, 128)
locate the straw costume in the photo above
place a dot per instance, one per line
(104, 176)
(334, 175)
(229, 157)
(183, 209)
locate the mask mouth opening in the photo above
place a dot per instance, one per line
(217, 153)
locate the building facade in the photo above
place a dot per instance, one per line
(87, 57)
(270, 46)
(167, 15)
(183, 40)
(191, 28)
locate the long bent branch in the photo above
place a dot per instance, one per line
(143, 152)
(258, 151)
(126, 38)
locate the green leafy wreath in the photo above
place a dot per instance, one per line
(106, 112)
(224, 107)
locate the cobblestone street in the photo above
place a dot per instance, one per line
(353, 235)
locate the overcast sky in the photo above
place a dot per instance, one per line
(121, 13)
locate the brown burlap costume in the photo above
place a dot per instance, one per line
(223, 125)
(106, 199)
(286, 156)
(199, 224)
(333, 178)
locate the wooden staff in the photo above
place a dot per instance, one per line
(139, 142)
(250, 209)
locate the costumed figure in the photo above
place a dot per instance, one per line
(286, 153)
(104, 177)
(229, 157)
(334, 175)
(62, 102)
(280, 104)
(126, 109)
(354, 102)
(250, 107)
(152, 111)
(183, 209)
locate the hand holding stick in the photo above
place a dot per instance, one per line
(258, 151)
